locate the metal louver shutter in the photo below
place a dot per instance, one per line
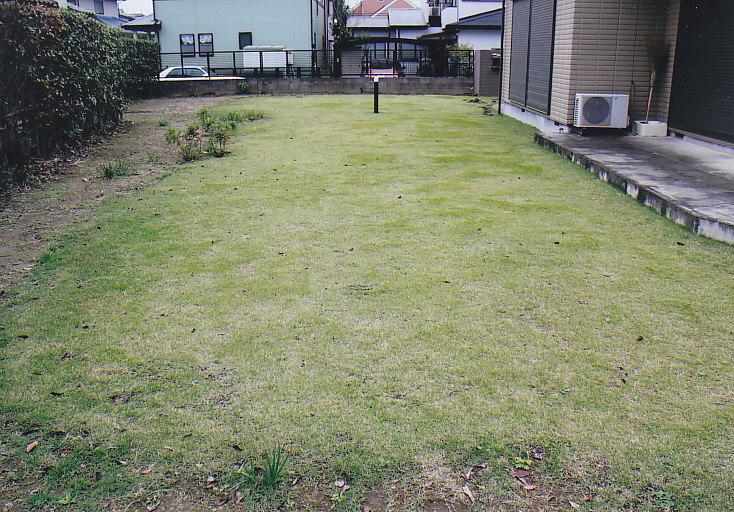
(540, 54)
(702, 95)
(519, 50)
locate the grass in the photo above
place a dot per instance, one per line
(389, 296)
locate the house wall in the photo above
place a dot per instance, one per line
(110, 6)
(272, 23)
(470, 7)
(600, 47)
(318, 12)
(479, 39)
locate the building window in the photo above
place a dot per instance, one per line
(186, 42)
(206, 45)
(73, 2)
(245, 40)
(98, 7)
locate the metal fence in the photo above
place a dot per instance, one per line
(395, 62)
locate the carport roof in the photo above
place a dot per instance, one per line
(489, 19)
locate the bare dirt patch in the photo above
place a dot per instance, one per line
(30, 219)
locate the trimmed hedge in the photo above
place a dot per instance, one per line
(65, 77)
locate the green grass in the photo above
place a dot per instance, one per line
(384, 296)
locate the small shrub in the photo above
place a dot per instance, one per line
(219, 135)
(172, 136)
(119, 167)
(243, 88)
(213, 131)
(162, 123)
(254, 115)
(189, 141)
(205, 117)
(155, 159)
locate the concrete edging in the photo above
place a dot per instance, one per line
(703, 225)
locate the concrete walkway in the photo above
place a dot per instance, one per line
(690, 183)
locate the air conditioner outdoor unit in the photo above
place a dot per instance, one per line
(601, 110)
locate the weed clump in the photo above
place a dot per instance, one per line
(117, 168)
(265, 476)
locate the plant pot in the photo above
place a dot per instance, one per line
(651, 128)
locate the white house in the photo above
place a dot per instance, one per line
(481, 31)
(105, 11)
(101, 7)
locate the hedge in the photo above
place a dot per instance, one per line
(65, 77)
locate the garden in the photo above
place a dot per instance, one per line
(320, 308)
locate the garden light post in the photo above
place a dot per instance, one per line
(377, 94)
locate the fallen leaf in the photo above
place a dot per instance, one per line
(146, 471)
(238, 497)
(468, 492)
(151, 508)
(340, 483)
(346, 487)
(31, 447)
(530, 487)
(574, 505)
(122, 462)
(467, 475)
(521, 473)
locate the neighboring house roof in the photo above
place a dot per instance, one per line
(387, 13)
(490, 19)
(407, 18)
(380, 7)
(110, 20)
(368, 22)
(143, 23)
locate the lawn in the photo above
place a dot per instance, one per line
(391, 299)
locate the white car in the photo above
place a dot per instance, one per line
(184, 73)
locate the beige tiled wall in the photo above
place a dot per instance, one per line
(600, 47)
(506, 44)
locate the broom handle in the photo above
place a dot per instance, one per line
(649, 97)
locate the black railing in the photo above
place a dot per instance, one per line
(392, 62)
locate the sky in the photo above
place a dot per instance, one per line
(146, 6)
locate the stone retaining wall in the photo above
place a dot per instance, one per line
(418, 85)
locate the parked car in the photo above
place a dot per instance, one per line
(382, 69)
(184, 73)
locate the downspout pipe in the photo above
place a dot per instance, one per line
(502, 57)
